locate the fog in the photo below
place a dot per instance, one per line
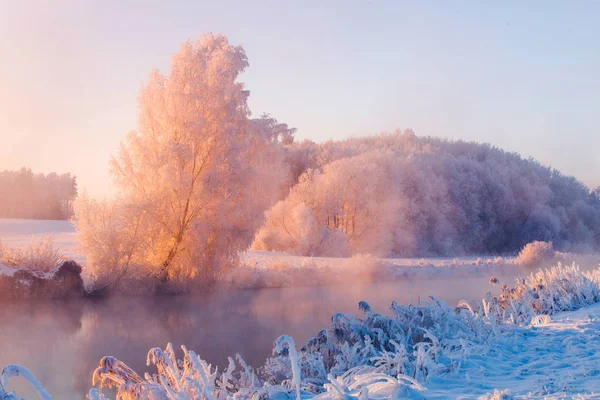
(62, 343)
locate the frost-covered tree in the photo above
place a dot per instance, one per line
(399, 194)
(197, 174)
(293, 227)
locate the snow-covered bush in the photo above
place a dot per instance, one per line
(535, 254)
(545, 292)
(281, 273)
(64, 281)
(39, 256)
(295, 230)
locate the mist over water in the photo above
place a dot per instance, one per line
(62, 342)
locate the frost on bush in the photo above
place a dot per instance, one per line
(535, 253)
(38, 270)
(373, 356)
(65, 281)
(38, 256)
(288, 271)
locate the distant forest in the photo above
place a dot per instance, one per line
(403, 195)
(24, 194)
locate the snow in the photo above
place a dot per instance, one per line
(261, 258)
(560, 358)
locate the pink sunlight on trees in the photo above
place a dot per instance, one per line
(195, 178)
(402, 195)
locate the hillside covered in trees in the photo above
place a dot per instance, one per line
(402, 195)
(24, 194)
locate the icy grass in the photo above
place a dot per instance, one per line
(13, 370)
(372, 357)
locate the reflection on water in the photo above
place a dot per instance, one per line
(62, 342)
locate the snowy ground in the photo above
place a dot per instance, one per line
(558, 359)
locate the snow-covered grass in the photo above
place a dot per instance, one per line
(40, 257)
(11, 371)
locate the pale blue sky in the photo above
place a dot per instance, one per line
(523, 76)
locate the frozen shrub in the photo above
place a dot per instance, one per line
(277, 273)
(276, 265)
(39, 257)
(63, 282)
(546, 291)
(295, 229)
(247, 276)
(535, 253)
